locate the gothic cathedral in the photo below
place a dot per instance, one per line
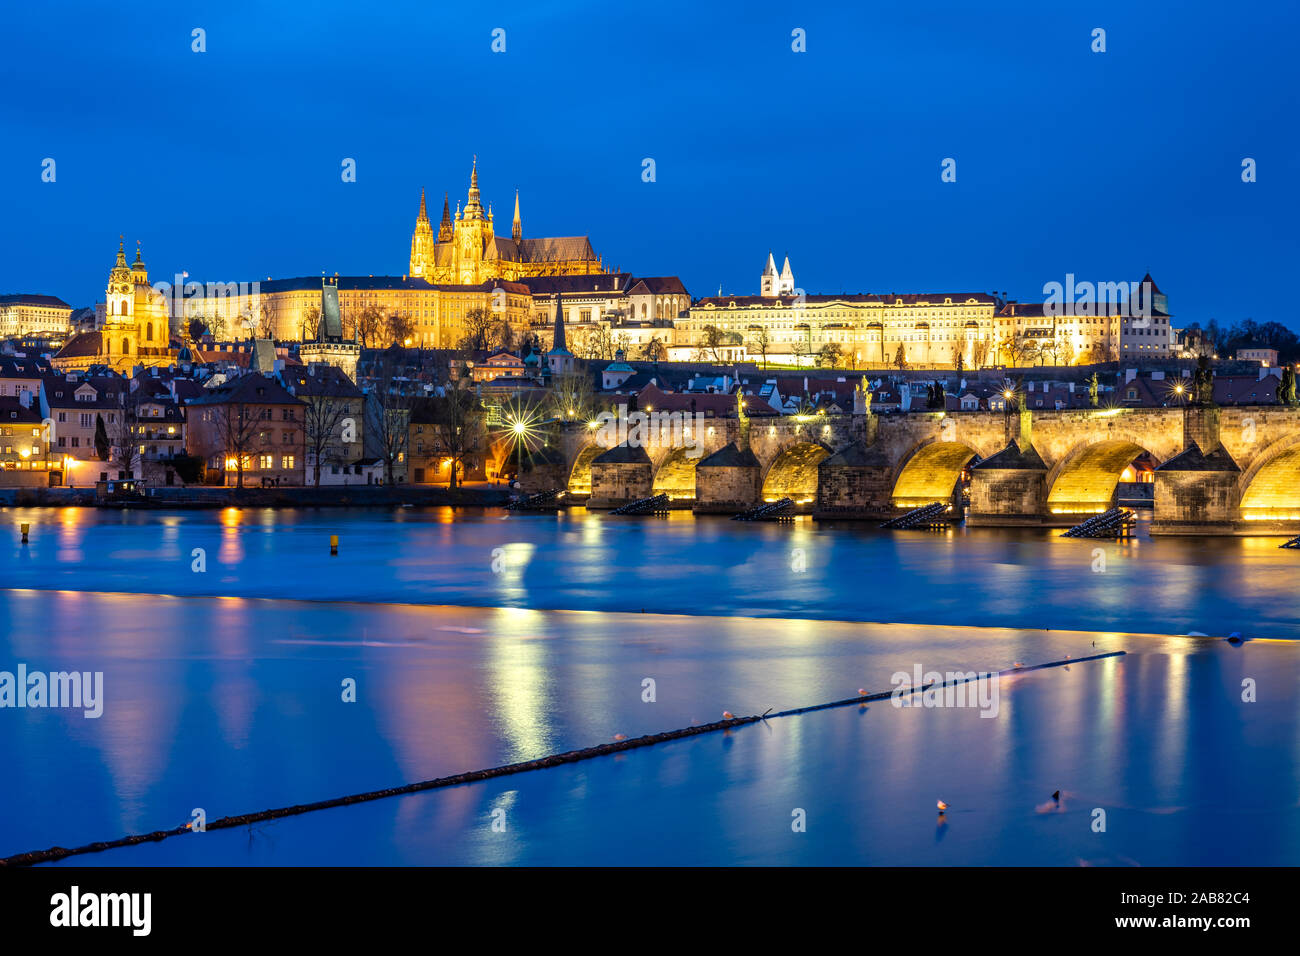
(467, 251)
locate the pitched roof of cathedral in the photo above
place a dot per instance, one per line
(557, 249)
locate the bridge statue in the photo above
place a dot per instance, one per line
(1203, 382)
(1094, 387)
(1286, 388)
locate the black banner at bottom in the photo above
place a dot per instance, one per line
(335, 905)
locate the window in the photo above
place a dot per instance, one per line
(265, 462)
(286, 461)
(85, 420)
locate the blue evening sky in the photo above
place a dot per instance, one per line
(227, 163)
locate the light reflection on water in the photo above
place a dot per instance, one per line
(684, 564)
(867, 781)
(233, 703)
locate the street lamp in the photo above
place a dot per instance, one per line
(519, 428)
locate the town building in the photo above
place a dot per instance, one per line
(1265, 357)
(24, 455)
(89, 426)
(782, 325)
(249, 431)
(333, 423)
(34, 315)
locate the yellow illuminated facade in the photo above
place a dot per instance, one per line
(135, 329)
(466, 249)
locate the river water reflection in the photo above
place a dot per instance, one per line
(223, 689)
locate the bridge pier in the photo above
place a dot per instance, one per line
(1196, 493)
(1009, 488)
(728, 481)
(619, 476)
(855, 482)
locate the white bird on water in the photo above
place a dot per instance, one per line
(728, 715)
(942, 806)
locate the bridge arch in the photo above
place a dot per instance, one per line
(793, 472)
(580, 475)
(675, 476)
(1084, 481)
(1270, 488)
(929, 472)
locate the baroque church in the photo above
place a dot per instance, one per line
(135, 329)
(467, 251)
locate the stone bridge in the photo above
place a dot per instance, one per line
(1221, 470)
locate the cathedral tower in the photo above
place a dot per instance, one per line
(422, 242)
(767, 285)
(444, 227)
(786, 285)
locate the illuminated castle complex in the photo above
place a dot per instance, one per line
(467, 250)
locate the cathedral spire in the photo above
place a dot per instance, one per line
(444, 228)
(424, 213)
(473, 208)
(517, 230)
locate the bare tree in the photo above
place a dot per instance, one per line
(265, 320)
(830, 355)
(597, 343)
(479, 329)
(323, 426)
(310, 323)
(799, 347)
(571, 397)
(388, 415)
(654, 350)
(237, 426)
(459, 430)
(761, 342)
(399, 328)
(712, 342)
(217, 326)
(123, 430)
(365, 325)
